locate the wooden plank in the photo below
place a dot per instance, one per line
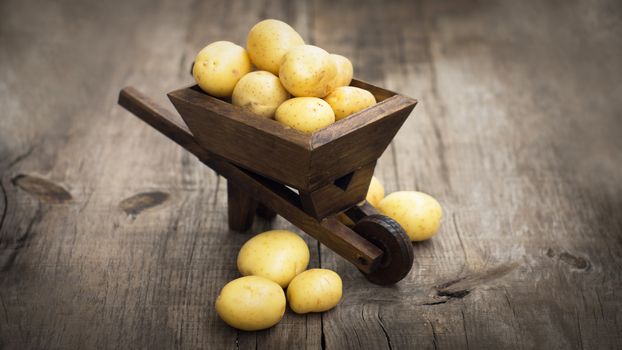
(357, 140)
(260, 143)
(86, 274)
(494, 139)
(338, 195)
(111, 236)
(241, 208)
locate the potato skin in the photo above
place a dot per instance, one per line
(345, 71)
(375, 193)
(251, 303)
(347, 100)
(418, 213)
(268, 41)
(278, 255)
(307, 71)
(219, 66)
(305, 114)
(259, 92)
(315, 290)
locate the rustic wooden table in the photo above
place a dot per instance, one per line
(518, 134)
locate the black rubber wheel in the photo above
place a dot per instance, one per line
(388, 235)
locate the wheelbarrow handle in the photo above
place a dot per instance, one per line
(160, 119)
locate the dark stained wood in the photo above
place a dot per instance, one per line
(315, 164)
(265, 212)
(330, 232)
(357, 212)
(516, 133)
(160, 119)
(339, 195)
(357, 140)
(241, 208)
(505, 136)
(258, 144)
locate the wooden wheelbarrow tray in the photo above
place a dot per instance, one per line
(309, 179)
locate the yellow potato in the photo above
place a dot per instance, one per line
(278, 255)
(268, 41)
(259, 92)
(345, 71)
(305, 114)
(418, 213)
(251, 303)
(314, 290)
(375, 193)
(307, 71)
(219, 66)
(347, 100)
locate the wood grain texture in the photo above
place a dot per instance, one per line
(238, 136)
(516, 133)
(521, 156)
(241, 208)
(338, 195)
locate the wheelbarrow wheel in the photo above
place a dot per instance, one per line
(388, 235)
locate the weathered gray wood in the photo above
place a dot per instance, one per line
(518, 137)
(112, 236)
(87, 274)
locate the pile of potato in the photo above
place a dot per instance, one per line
(270, 262)
(318, 81)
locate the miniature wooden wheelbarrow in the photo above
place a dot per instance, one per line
(309, 179)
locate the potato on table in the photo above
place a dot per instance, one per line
(418, 213)
(219, 66)
(251, 303)
(278, 255)
(307, 71)
(259, 92)
(347, 100)
(305, 114)
(268, 41)
(315, 290)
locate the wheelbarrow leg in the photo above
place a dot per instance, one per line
(241, 208)
(265, 212)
